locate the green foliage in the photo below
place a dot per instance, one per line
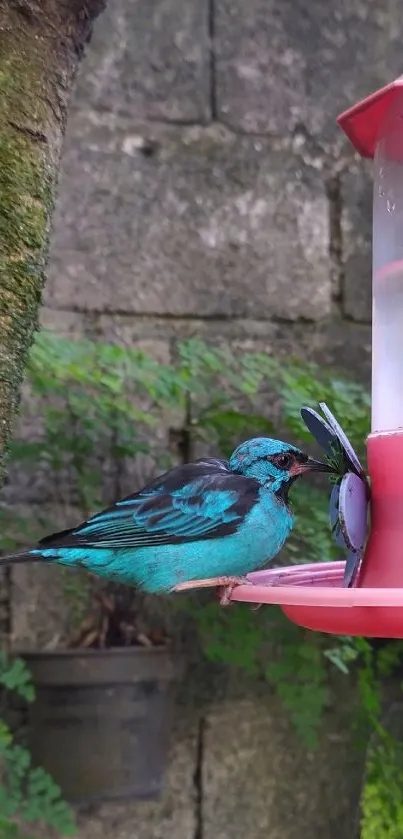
(382, 799)
(100, 401)
(29, 798)
(15, 676)
(301, 682)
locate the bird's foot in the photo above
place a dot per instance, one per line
(225, 584)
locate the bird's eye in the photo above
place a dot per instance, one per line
(284, 461)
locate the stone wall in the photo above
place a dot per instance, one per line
(206, 190)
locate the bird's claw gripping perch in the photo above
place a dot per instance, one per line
(227, 587)
(225, 584)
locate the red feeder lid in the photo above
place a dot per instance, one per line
(362, 122)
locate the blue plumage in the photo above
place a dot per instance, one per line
(208, 519)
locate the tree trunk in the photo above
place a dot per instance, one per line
(41, 44)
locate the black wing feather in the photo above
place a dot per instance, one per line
(201, 500)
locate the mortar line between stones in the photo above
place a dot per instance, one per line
(211, 33)
(189, 317)
(198, 781)
(236, 130)
(334, 197)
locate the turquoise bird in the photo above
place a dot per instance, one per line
(210, 522)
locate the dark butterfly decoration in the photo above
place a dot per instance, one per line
(350, 494)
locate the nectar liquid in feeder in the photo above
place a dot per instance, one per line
(387, 357)
(387, 275)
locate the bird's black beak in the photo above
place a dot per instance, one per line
(310, 465)
(319, 466)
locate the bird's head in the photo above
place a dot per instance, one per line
(274, 463)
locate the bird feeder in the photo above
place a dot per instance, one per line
(363, 595)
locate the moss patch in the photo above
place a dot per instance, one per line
(25, 186)
(26, 197)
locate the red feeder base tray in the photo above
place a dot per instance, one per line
(312, 596)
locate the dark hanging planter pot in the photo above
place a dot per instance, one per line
(101, 720)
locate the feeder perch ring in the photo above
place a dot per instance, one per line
(313, 597)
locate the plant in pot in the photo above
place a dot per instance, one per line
(101, 720)
(101, 717)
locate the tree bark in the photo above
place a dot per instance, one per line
(41, 44)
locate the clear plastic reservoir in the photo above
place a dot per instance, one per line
(387, 320)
